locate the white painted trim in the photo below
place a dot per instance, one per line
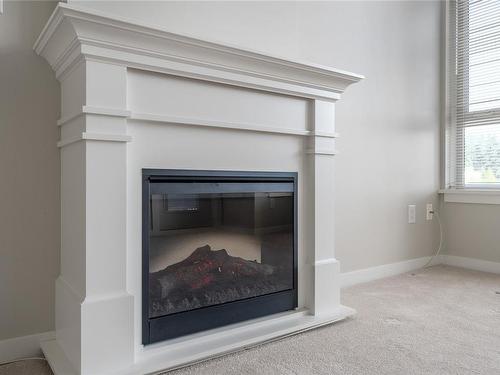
(447, 170)
(177, 120)
(24, 346)
(58, 362)
(216, 124)
(95, 137)
(115, 112)
(132, 44)
(105, 297)
(386, 270)
(478, 196)
(321, 152)
(211, 344)
(62, 283)
(471, 263)
(97, 17)
(210, 73)
(89, 110)
(106, 137)
(325, 261)
(324, 134)
(64, 120)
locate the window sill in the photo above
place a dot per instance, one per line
(478, 196)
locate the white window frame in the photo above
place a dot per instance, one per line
(470, 193)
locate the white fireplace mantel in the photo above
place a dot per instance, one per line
(136, 96)
(72, 34)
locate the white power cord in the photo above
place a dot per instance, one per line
(441, 238)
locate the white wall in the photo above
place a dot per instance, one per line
(29, 182)
(389, 125)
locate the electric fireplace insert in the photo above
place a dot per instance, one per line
(218, 248)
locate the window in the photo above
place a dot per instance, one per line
(474, 101)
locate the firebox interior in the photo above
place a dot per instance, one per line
(212, 241)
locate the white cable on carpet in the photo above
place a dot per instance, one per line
(440, 239)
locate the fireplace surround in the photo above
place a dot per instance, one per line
(135, 97)
(187, 284)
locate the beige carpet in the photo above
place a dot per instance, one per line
(441, 320)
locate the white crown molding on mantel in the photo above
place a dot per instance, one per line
(97, 36)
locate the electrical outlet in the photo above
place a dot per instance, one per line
(429, 214)
(412, 214)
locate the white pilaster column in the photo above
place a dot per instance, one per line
(96, 333)
(322, 151)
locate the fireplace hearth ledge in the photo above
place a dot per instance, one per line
(198, 347)
(137, 96)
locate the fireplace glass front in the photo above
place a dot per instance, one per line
(219, 248)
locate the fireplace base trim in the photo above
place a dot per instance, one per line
(187, 350)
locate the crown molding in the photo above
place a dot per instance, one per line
(72, 33)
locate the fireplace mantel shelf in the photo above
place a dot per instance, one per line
(95, 35)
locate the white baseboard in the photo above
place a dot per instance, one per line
(24, 346)
(385, 270)
(471, 263)
(393, 269)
